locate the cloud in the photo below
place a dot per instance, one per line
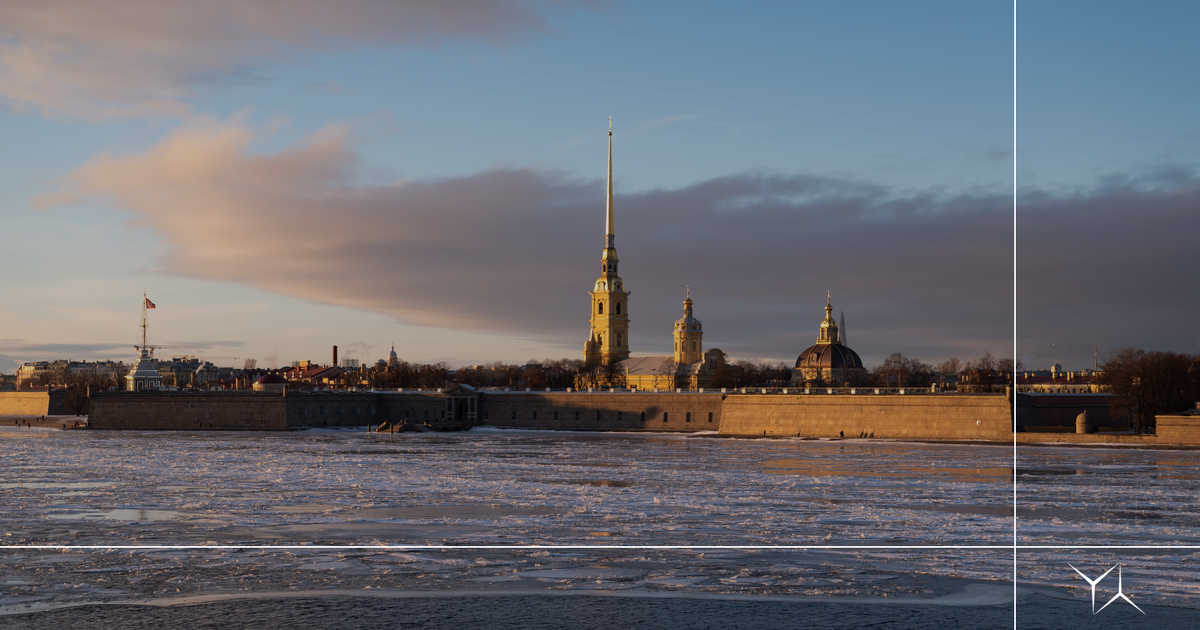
(515, 250)
(1110, 266)
(14, 352)
(145, 57)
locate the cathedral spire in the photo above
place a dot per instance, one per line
(609, 233)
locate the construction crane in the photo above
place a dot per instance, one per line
(221, 358)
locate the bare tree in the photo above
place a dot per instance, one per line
(949, 369)
(1150, 383)
(665, 374)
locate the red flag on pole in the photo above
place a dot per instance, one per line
(149, 304)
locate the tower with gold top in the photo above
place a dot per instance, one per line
(609, 339)
(689, 335)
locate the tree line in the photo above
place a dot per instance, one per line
(1150, 383)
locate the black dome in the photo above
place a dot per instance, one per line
(828, 355)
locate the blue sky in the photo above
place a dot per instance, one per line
(282, 179)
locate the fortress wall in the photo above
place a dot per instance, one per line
(33, 403)
(1177, 429)
(617, 411)
(416, 407)
(949, 417)
(333, 409)
(191, 411)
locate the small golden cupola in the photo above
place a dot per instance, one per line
(829, 327)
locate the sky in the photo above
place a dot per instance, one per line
(280, 177)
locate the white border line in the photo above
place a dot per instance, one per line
(1014, 297)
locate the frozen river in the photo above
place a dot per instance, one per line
(338, 497)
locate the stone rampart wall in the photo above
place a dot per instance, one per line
(1178, 429)
(189, 411)
(33, 403)
(606, 411)
(415, 407)
(941, 416)
(333, 409)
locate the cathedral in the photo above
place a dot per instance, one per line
(830, 361)
(690, 367)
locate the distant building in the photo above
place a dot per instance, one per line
(178, 370)
(690, 367)
(270, 383)
(64, 371)
(829, 361)
(36, 373)
(1057, 381)
(307, 373)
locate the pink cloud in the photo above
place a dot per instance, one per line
(98, 60)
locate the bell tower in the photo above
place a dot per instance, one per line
(609, 340)
(689, 335)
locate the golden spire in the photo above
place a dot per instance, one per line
(609, 234)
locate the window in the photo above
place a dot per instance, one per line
(664, 416)
(620, 416)
(618, 334)
(710, 416)
(600, 339)
(597, 416)
(601, 307)
(689, 417)
(693, 346)
(643, 417)
(535, 416)
(618, 308)
(556, 416)
(576, 416)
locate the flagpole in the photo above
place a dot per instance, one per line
(143, 321)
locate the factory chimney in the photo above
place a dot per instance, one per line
(335, 356)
